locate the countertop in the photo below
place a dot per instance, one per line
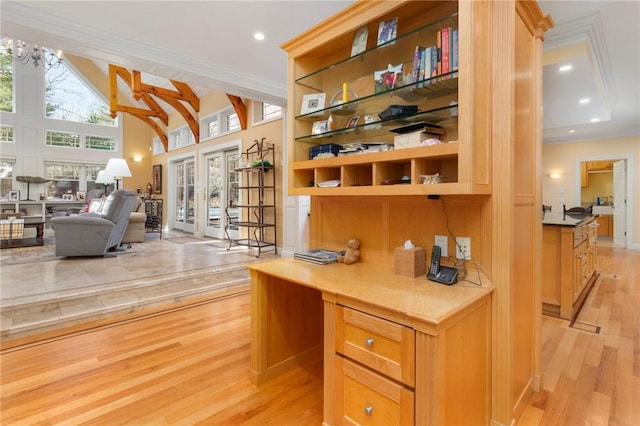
(416, 299)
(557, 219)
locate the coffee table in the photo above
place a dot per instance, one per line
(38, 240)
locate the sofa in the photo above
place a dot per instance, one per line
(136, 229)
(93, 233)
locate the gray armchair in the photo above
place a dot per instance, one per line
(92, 234)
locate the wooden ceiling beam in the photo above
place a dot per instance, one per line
(173, 98)
(240, 108)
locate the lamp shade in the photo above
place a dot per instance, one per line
(104, 178)
(118, 168)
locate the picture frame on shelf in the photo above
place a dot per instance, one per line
(68, 197)
(353, 122)
(313, 103)
(319, 127)
(42, 196)
(80, 195)
(360, 40)
(387, 79)
(387, 31)
(157, 179)
(13, 195)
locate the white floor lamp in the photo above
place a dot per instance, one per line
(104, 179)
(118, 169)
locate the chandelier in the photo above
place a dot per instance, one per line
(25, 52)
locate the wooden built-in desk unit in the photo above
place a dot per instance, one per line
(397, 350)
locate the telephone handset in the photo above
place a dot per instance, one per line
(438, 273)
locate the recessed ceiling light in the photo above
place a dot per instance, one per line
(595, 120)
(565, 68)
(258, 36)
(584, 101)
(572, 131)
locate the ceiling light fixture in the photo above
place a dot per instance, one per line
(258, 36)
(584, 101)
(565, 68)
(40, 55)
(572, 131)
(595, 120)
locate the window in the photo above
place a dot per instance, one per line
(6, 176)
(232, 122)
(263, 111)
(158, 147)
(65, 179)
(6, 77)
(181, 137)
(101, 143)
(67, 140)
(69, 178)
(6, 134)
(68, 98)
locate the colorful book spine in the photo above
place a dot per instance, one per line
(425, 66)
(418, 68)
(454, 50)
(446, 50)
(439, 48)
(434, 61)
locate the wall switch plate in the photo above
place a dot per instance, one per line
(463, 248)
(442, 241)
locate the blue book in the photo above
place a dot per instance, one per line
(454, 50)
(425, 71)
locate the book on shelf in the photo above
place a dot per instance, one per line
(454, 50)
(446, 49)
(317, 256)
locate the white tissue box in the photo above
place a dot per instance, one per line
(410, 262)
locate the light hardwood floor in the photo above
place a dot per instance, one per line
(190, 366)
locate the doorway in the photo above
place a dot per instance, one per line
(604, 183)
(184, 200)
(222, 182)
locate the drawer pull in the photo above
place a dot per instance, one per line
(368, 410)
(369, 342)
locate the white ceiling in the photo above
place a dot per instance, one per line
(210, 44)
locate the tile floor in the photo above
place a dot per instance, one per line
(37, 297)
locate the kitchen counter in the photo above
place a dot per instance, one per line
(558, 219)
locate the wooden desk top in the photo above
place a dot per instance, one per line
(416, 302)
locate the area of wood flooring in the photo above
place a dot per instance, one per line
(191, 366)
(594, 378)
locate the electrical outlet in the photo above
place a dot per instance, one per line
(442, 241)
(463, 248)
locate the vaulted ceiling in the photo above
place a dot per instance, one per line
(210, 45)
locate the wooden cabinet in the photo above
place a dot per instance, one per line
(407, 352)
(489, 166)
(605, 225)
(569, 267)
(603, 165)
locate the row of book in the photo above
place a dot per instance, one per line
(433, 61)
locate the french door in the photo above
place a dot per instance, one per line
(222, 192)
(184, 207)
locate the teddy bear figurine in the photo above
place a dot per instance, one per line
(351, 254)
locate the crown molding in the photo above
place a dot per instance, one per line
(588, 29)
(21, 21)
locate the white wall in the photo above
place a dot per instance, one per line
(565, 159)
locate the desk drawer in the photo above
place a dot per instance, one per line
(382, 345)
(364, 397)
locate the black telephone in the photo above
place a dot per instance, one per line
(438, 273)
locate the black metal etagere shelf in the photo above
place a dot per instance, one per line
(257, 207)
